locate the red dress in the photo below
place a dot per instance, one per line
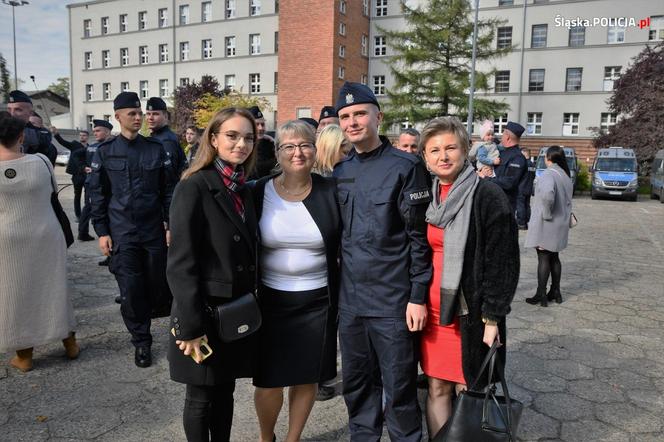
(441, 344)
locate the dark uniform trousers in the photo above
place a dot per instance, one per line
(370, 346)
(522, 209)
(84, 218)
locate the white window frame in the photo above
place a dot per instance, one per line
(615, 34)
(254, 8)
(106, 58)
(229, 82)
(365, 8)
(569, 84)
(571, 123)
(364, 79)
(341, 72)
(163, 53)
(536, 35)
(503, 40)
(144, 55)
(184, 15)
(124, 86)
(656, 30)
(230, 9)
(500, 82)
(142, 20)
(607, 120)
(611, 74)
(184, 51)
(90, 120)
(164, 91)
(87, 60)
(162, 15)
(105, 25)
(577, 35)
(364, 45)
(499, 124)
(342, 51)
(206, 48)
(106, 91)
(87, 28)
(379, 85)
(89, 92)
(230, 45)
(534, 123)
(255, 83)
(343, 6)
(342, 28)
(381, 8)
(144, 88)
(254, 44)
(206, 11)
(380, 46)
(184, 81)
(124, 22)
(530, 79)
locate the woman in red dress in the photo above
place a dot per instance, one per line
(468, 218)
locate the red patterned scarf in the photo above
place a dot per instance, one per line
(234, 180)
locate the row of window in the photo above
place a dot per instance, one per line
(570, 126)
(573, 79)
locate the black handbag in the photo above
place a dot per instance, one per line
(59, 211)
(482, 416)
(236, 319)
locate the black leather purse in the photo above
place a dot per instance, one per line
(236, 319)
(483, 416)
(59, 211)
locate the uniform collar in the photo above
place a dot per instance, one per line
(161, 129)
(385, 143)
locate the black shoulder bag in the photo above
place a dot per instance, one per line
(483, 416)
(59, 211)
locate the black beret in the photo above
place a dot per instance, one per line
(327, 112)
(313, 123)
(156, 104)
(355, 93)
(256, 112)
(515, 128)
(126, 100)
(19, 97)
(102, 123)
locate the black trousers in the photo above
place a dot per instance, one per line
(84, 216)
(78, 191)
(522, 209)
(380, 354)
(208, 412)
(140, 270)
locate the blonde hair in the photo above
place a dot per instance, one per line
(296, 129)
(330, 142)
(207, 153)
(445, 125)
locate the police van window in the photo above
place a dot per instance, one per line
(616, 164)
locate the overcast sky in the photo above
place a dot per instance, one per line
(42, 41)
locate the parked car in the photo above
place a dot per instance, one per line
(657, 177)
(63, 158)
(614, 174)
(570, 155)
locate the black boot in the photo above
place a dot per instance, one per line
(539, 298)
(554, 295)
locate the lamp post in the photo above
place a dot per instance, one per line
(14, 4)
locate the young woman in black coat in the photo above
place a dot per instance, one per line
(212, 260)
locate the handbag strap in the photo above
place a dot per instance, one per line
(50, 174)
(484, 365)
(490, 391)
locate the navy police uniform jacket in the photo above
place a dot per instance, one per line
(38, 140)
(510, 172)
(173, 149)
(385, 256)
(131, 187)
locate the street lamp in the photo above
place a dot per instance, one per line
(14, 4)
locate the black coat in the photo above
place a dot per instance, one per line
(490, 273)
(211, 259)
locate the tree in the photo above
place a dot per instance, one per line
(5, 84)
(432, 64)
(638, 98)
(60, 87)
(185, 98)
(208, 105)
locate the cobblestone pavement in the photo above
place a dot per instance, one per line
(591, 368)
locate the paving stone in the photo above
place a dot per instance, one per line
(529, 336)
(569, 370)
(595, 391)
(591, 431)
(628, 417)
(536, 426)
(85, 423)
(538, 381)
(624, 380)
(563, 406)
(650, 399)
(546, 351)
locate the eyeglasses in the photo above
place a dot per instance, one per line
(289, 149)
(235, 137)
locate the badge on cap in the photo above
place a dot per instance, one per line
(350, 99)
(259, 114)
(326, 114)
(149, 107)
(138, 104)
(10, 173)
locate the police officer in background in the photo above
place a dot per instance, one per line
(35, 140)
(525, 191)
(409, 140)
(328, 115)
(157, 118)
(385, 272)
(131, 186)
(76, 168)
(264, 145)
(512, 166)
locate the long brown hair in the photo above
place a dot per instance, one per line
(207, 152)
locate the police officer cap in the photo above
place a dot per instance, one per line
(515, 128)
(355, 93)
(126, 100)
(256, 112)
(19, 97)
(156, 104)
(328, 112)
(310, 121)
(102, 123)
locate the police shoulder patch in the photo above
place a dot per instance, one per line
(417, 196)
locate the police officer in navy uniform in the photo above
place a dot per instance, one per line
(35, 140)
(525, 191)
(265, 146)
(328, 115)
(131, 186)
(76, 168)
(513, 167)
(385, 272)
(157, 118)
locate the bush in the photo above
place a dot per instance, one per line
(583, 178)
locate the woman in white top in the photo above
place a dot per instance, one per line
(299, 235)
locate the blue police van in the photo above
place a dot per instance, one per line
(657, 177)
(614, 174)
(572, 163)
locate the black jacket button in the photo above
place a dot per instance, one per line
(236, 238)
(252, 268)
(239, 268)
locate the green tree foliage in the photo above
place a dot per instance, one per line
(432, 63)
(60, 87)
(208, 105)
(185, 98)
(5, 84)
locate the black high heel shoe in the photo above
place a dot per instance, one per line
(554, 295)
(539, 298)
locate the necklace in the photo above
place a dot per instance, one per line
(306, 188)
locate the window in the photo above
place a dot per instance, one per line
(254, 44)
(255, 83)
(607, 120)
(104, 25)
(504, 37)
(144, 89)
(341, 73)
(276, 82)
(163, 88)
(611, 74)
(206, 11)
(163, 17)
(89, 92)
(254, 7)
(184, 14)
(230, 8)
(106, 89)
(538, 36)
(616, 34)
(656, 31)
(142, 20)
(87, 28)
(365, 7)
(577, 36)
(571, 124)
(534, 126)
(184, 51)
(381, 8)
(143, 53)
(207, 48)
(230, 46)
(379, 84)
(573, 79)
(536, 80)
(124, 86)
(163, 53)
(364, 79)
(123, 22)
(505, 2)
(502, 81)
(499, 124)
(342, 51)
(88, 60)
(364, 45)
(380, 47)
(106, 59)
(303, 112)
(229, 82)
(276, 42)
(342, 6)
(342, 28)
(184, 81)
(90, 120)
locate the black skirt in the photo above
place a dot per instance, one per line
(298, 338)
